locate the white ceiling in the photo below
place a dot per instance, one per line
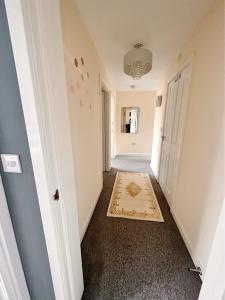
(161, 25)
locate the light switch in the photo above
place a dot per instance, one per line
(11, 163)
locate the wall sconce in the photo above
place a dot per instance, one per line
(159, 100)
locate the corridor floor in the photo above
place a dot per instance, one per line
(131, 259)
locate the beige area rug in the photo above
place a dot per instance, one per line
(133, 197)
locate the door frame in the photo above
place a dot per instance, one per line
(41, 77)
(188, 64)
(12, 280)
(107, 130)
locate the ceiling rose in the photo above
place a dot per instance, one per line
(138, 62)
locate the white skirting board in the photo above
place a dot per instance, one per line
(188, 244)
(141, 156)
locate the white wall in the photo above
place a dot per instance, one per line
(200, 186)
(85, 109)
(140, 142)
(214, 286)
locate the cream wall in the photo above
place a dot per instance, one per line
(85, 109)
(200, 186)
(141, 142)
(214, 286)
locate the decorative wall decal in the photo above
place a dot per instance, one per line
(82, 88)
(72, 88)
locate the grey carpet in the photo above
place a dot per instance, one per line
(131, 259)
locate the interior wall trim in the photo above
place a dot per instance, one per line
(188, 244)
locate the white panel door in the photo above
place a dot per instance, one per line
(104, 130)
(166, 155)
(172, 132)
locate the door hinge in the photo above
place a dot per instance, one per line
(56, 195)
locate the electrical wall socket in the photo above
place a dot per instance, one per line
(11, 163)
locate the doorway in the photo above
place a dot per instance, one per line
(106, 132)
(54, 257)
(176, 104)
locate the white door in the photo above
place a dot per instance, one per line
(12, 279)
(42, 82)
(177, 95)
(104, 130)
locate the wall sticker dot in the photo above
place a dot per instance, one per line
(82, 61)
(75, 62)
(72, 88)
(88, 75)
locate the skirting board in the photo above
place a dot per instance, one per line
(141, 156)
(86, 223)
(156, 173)
(188, 243)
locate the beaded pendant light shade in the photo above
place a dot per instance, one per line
(138, 62)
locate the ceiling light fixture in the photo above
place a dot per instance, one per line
(138, 62)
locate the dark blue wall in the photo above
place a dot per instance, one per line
(20, 188)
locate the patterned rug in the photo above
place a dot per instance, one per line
(133, 197)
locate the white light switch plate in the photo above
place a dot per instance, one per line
(11, 163)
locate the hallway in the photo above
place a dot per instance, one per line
(111, 174)
(129, 259)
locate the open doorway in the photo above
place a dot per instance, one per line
(106, 128)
